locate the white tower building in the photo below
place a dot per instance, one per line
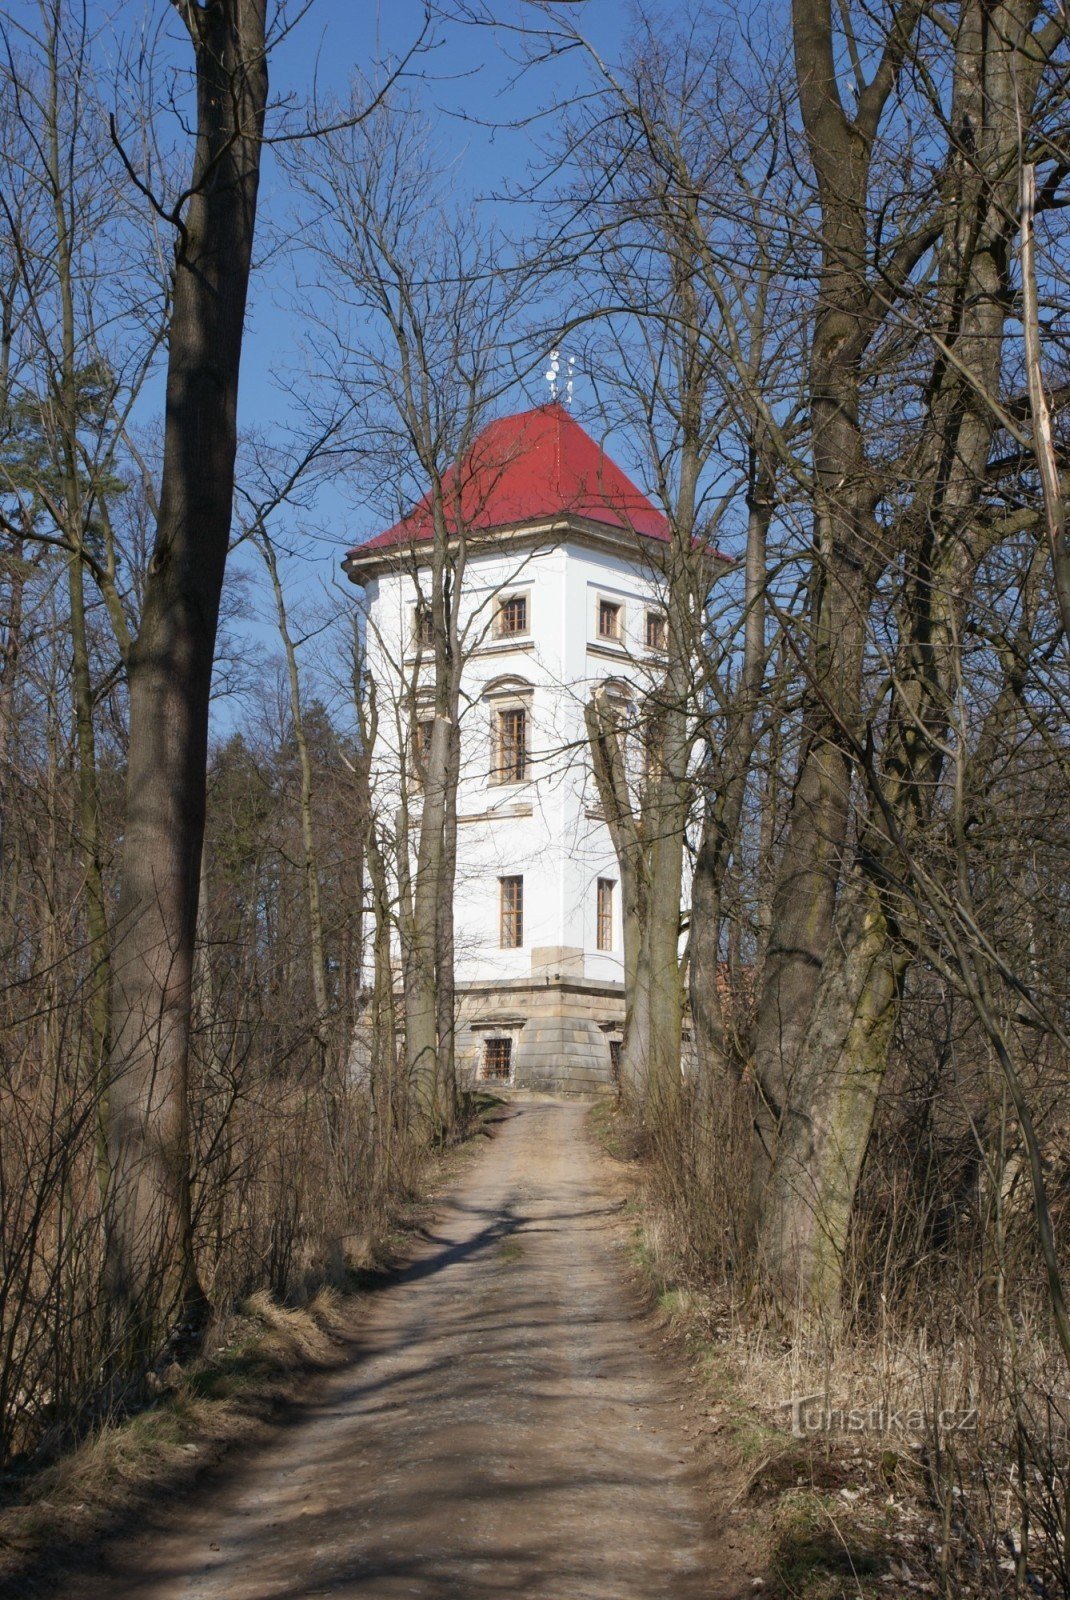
(562, 590)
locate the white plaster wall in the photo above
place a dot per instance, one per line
(560, 848)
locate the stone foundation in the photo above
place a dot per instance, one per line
(559, 1028)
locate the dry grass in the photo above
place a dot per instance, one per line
(224, 1398)
(256, 1359)
(920, 1428)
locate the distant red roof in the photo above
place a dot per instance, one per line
(527, 467)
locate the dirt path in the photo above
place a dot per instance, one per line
(505, 1428)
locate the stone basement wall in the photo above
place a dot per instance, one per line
(560, 1033)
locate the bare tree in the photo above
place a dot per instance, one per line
(682, 291)
(152, 1276)
(841, 942)
(422, 306)
(88, 338)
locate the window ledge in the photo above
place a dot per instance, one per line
(608, 648)
(502, 647)
(505, 814)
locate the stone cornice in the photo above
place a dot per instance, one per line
(553, 532)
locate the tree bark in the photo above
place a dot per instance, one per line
(95, 1038)
(387, 1113)
(606, 740)
(1043, 447)
(723, 809)
(431, 880)
(824, 1131)
(820, 1106)
(151, 1273)
(317, 944)
(845, 539)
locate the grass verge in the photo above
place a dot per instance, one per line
(826, 1516)
(54, 1516)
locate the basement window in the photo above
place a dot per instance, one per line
(497, 1060)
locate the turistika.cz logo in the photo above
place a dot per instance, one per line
(810, 1413)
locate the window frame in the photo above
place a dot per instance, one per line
(511, 914)
(605, 601)
(423, 626)
(661, 627)
(501, 1047)
(653, 742)
(603, 930)
(514, 597)
(520, 770)
(419, 747)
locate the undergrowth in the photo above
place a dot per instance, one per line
(55, 1511)
(840, 1458)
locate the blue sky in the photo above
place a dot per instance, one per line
(473, 85)
(489, 115)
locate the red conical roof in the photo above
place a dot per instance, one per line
(529, 467)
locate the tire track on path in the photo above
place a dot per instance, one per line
(504, 1428)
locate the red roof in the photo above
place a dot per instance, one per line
(522, 469)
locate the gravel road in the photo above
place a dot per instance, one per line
(507, 1425)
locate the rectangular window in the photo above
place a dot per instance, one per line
(653, 735)
(655, 630)
(512, 912)
(608, 619)
(423, 627)
(511, 742)
(497, 1059)
(421, 746)
(605, 913)
(513, 616)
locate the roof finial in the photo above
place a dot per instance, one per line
(552, 376)
(551, 373)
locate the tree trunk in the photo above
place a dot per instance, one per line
(1043, 444)
(152, 1278)
(96, 916)
(317, 944)
(844, 568)
(384, 1045)
(388, 1114)
(822, 1137)
(445, 990)
(649, 850)
(724, 806)
(605, 737)
(662, 941)
(66, 400)
(421, 965)
(10, 650)
(837, 1022)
